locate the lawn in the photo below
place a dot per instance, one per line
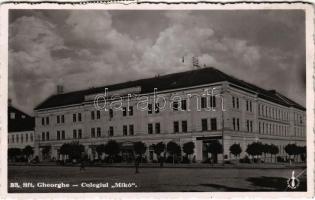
(151, 179)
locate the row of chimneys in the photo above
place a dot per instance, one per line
(195, 61)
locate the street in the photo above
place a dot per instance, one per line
(109, 179)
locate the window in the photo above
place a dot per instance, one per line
(251, 126)
(74, 117)
(63, 135)
(259, 127)
(79, 133)
(150, 128)
(157, 128)
(238, 123)
(43, 121)
(157, 108)
(58, 119)
(204, 124)
(175, 106)
(124, 111)
(98, 132)
(149, 108)
(111, 131)
(111, 113)
(92, 115)
(176, 127)
(26, 137)
(233, 102)
(17, 138)
(234, 124)
(98, 114)
(184, 105)
(184, 126)
(247, 125)
(93, 132)
(131, 130)
(203, 102)
(12, 138)
(47, 135)
(62, 119)
(125, 130)
(43, 136)
(130, 111)
(12, 115)
(58, 135)
(213, 124)
(47, 120)
(79, 117)
(213, 102)
(237, 103)
(74, 134)
(247, 105)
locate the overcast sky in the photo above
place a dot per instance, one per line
(81, 49)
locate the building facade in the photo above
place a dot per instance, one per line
(201, 105)
(20, 129)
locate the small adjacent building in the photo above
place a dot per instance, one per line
(202, 105)
(20, 128)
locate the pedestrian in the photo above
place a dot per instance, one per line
(137, 162)
(161, 161)
(82, 163)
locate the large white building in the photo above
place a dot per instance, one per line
(209, 105)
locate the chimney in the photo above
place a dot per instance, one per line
(9, 102)
(59, 89)
(195, 62)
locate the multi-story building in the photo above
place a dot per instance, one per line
(20, 128)
(201, 105)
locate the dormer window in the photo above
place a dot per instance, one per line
(12, 115)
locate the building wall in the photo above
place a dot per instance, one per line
(21, 139)
(246, 111)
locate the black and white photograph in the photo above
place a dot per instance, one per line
(158, 100)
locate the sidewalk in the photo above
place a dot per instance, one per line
(169, 165)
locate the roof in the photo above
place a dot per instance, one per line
(190, 78)
(21, 121)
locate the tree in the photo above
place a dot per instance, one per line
(188, 148)
(28, 151)
(265, 150)
(112, 149)
(100, 149)
(173, 149)
(255, 149)
(274, 150)
(159, 148)
(215, 148)
(236, 149)
(139, 148)
(291, 149)
(73, 150)
(14, 153)
(65, 149)
(302, 153)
